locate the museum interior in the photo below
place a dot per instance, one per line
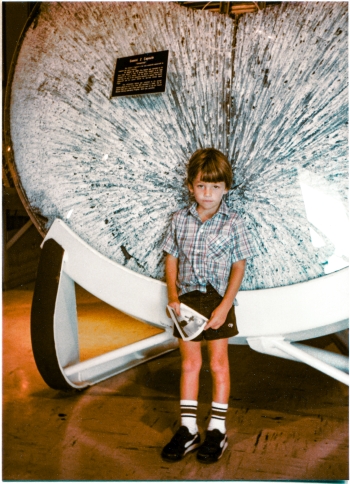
(103, 104)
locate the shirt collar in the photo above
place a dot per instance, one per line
(223, 209)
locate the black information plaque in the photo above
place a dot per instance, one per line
(140, 74)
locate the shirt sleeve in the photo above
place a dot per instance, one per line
(170, 244)
(244, 244)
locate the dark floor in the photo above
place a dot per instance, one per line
(286, 421)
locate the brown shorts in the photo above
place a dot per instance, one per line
(205, 303)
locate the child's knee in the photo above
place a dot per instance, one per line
(219, 366)
(191, 365)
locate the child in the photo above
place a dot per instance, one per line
(206, 250)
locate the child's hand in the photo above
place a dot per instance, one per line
(218, 317)
(176, 306)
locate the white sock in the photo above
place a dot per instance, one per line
(189, 415)
(218, 417)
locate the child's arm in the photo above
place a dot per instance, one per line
(218, 316)
(171, 268)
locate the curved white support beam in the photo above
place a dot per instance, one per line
(54, 329)
(139, 296)
(291, 313)
(299, 311)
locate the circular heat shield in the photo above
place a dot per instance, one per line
(268, 89)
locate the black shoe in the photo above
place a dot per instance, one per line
(181, 443)
(213, 447)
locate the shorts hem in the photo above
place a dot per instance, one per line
(202, 337)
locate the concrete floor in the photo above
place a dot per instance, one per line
(286, 421)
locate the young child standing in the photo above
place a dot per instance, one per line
(206, 248)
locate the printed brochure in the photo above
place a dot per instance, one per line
(190, 324)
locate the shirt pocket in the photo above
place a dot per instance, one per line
(218, 246)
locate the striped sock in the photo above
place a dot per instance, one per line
(189, 415)
(218, 417)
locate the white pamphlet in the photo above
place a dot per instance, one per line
(190, 324)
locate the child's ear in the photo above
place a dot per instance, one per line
(190, 187)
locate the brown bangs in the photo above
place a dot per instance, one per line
(210, 173)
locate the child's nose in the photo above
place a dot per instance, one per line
(207, 191)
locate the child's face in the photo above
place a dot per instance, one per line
(208, 195)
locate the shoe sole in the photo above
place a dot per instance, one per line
(190, 449)
(213, 460)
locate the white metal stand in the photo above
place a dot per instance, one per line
(66, 259)
(270, 321)
(332, 364)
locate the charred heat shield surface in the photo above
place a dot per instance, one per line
(269, 90)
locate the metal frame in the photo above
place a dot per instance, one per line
(332, 364)
(54, 329)
(269, 321)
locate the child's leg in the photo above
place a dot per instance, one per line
(216, 439)
(191, 363)
(187, 437)
(220, 369)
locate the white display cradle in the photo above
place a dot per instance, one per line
(269, 320)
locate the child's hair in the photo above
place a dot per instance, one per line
(212, 165)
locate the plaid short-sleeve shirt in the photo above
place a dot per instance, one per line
(207, 250)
